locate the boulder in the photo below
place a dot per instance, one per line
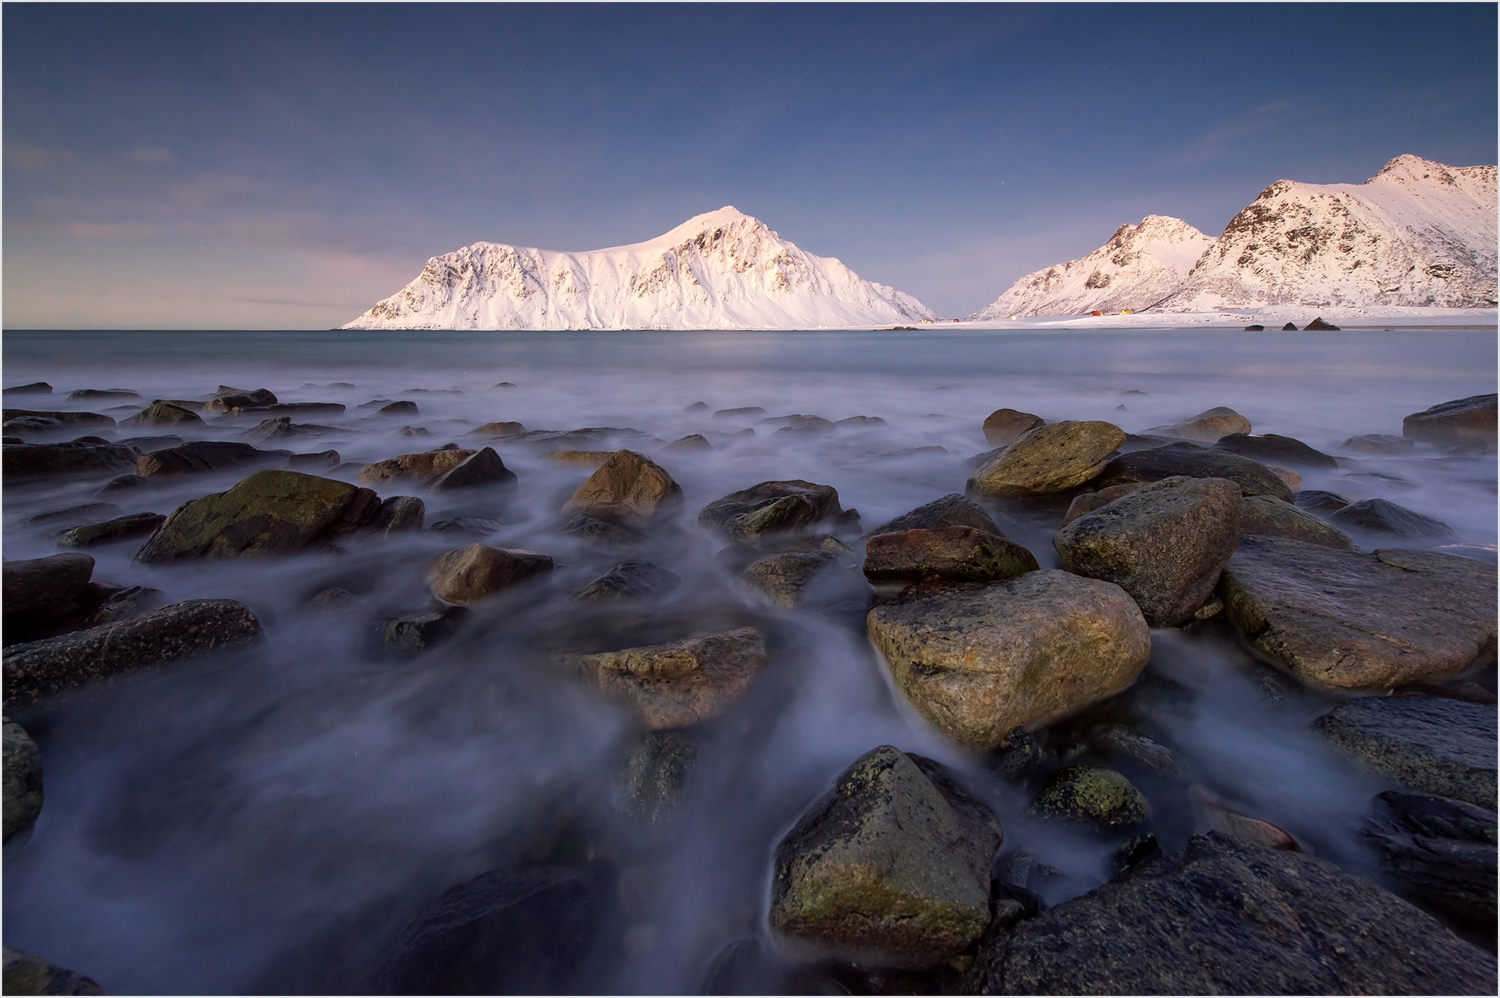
(503, 428)
(678, 683)
(602, 532)
(69, 418)
(35, 388)
(1208, 426)
(887, 867)
(527, 931)
(1270, 517)
(860, 421)
(402, 408)
(320, 459)
(1434, 744)
(413, 634)
(39, 590)
(22, 775)
(31, 975)
(632, 580)
(38, 669)
(743, 412)
(1004, 427)
(1090, 795)
(1440, 852)
(1318, 501)
(980, 660)
(161, 413)
(1164, 544)
(1226, 917)
(1342, 620)
(227, 399)
(1378, 443)
(122, 603)
(469, 574)
(1051, 458)
(785, 578)
(28, 425)
(108, 531)
(1273, 448)
(21, 460)
(770, 508)
(282, 427)
(628, 486)
(1290, 327)
(269, 513)
(1184, 458)
(398, 514)
(1450, 424)
(693, 441)
(588, 458)
(1086, 502)
(799, 423)
(201, 455)
(1319, 326)
(424, 466)
(953, 510)
(1381, 516)
(483, 467)
(956, 554)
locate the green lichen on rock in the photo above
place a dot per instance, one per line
(1091, 795)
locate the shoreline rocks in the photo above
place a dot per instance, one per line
(627, 486)
(1441, 746)
(1466, 421)
(1051, 458)
(956, 553)
(678, 683)
(771, 508)
(1208, 426)
(1192, 461)
(467, 575)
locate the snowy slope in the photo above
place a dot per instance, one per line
(720, 270)
(1417, 233)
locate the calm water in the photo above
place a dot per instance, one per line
(270, 820)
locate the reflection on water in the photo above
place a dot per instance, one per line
(269, 820)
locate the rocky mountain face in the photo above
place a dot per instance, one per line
(720, 270)
(1139, 266)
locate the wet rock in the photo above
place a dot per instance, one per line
(1272, 447)
(1225, 917)
(38, 669)
(402, 408)
(228, 399)
(22, 781)
(71, 419)
(35, 388)
(693, 441)
(1212, 815)
(160, 413)
(1208, 426)
(109, 531)
(1021, 757)
(469, 574)
(1004, 427)
(1440, 853)
(1378, 443)
(632, 580)
(282, 428)
(603, 532)
(1319, 501)
(32, 425)
(201, 456)
(1441, 746)
(1184, 458)
(953, 510)
(978, 661)
(332, 600)
(502, 428)
(628, 486)
(124, 603)
(1381, 516)
(1270, 517)
(1164, 544)
(860, 421)
(269, 513)
(122, 482)
(424, 467)
(886, 869)
(1085, 503)
(770, 508)
(1051, 458)
(956, 554)
(588, 458)
(1450, 424)
(411, 635)
(84, 513)
(506, 932)
(20, 460)
(483, 467)
(786, 578)
(40, 592)
(657, 772)
(1289, 328)
(398, 514)
(678, 683)
(31, 975)
(697, 407)
(1348, 621)
(1318, 325)
(150, 442)
(1123, 743)
(1291, 478)
(743, 412)
(1089, 795)
(800, 423)
(320, 459)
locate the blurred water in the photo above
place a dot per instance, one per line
(269, 820)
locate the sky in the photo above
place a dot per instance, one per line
(286, 166)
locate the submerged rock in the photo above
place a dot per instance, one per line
(401, 408)
(414, 634)
(161, 413)
(627, 486)
(469, 574)
(22, 781)
(1319, 501)
(200, 456)
(398, 514)
(108, 531)
(69, 418)
(1051, 458)
(1442, 746)
(1184, 458)
(88, 512)
(34, 388)
(228, 399)
(1270, 517)
(503, 428)
(1454, 424)
(1272, 447)
(1164, 544)
(31, 975)
(38, 669)
(20, 460)
(1378, 443)
(1348, 621)
(1225, 917)
(769, 508)
(631, 580)
(1381, 516)
(1093, 796)
(657, 772)
(786, 578)
(889, 866)
(978, 661)
(691, 442)
(678, 683)
(483, 467)
(957, 554)
(1004, 427)
(613, 535)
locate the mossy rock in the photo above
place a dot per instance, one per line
(1091, 795)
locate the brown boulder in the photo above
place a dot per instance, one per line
(467, 575)
(628, 486)
(681, 682)
(1004, 427)
(1051, 458)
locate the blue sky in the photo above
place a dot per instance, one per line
(271, 166)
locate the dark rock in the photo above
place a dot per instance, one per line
(35, 388)
(506, 932)
(632, 580)
(154, 441)
(33, 425)
(31, 975)
(230, 399)
(956, 554)
(124, 603)
(38, 669)
(41, 591)
(269, 513)
(1348, 621)
(657, 772)
(86, 513)
(1381, 516)
(414, 634)
(953, 510)
(1255, 327)
(786, 578)
(802, 424)
(1133, 747)
(162, 413)
(122, 482)
(1021, 757)
(771, 507)
(282, 428)
(1378, 443)
(483, 467)
(1319, 501)
(22, 460)
(1224, 917)
(1289, 328)
(860, 421)
(693, 441)
(23, 782)
(498, 429)
(740, 413)
(402, 408)
(1164, 544)
(1271, 517)
(1441, 746)
(466, 525)
(697, 407)
(1093, 796)
(70, 418)
(399, 513)
(1185, 458)
(1275, 449)
(109, 531)
(469, 574)
(1051, 458)
(1440, 853)
(201, 456)
(601, 531)
(678, 683)
(295, 409)
(320, 459)
(373, 404)
(1463, 421)
(1004, 427)
(1319, 325)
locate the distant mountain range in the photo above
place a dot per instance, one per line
(1418, 233)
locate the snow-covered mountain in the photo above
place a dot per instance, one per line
(720, 270)
(1138, 267)
(1417, 233)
